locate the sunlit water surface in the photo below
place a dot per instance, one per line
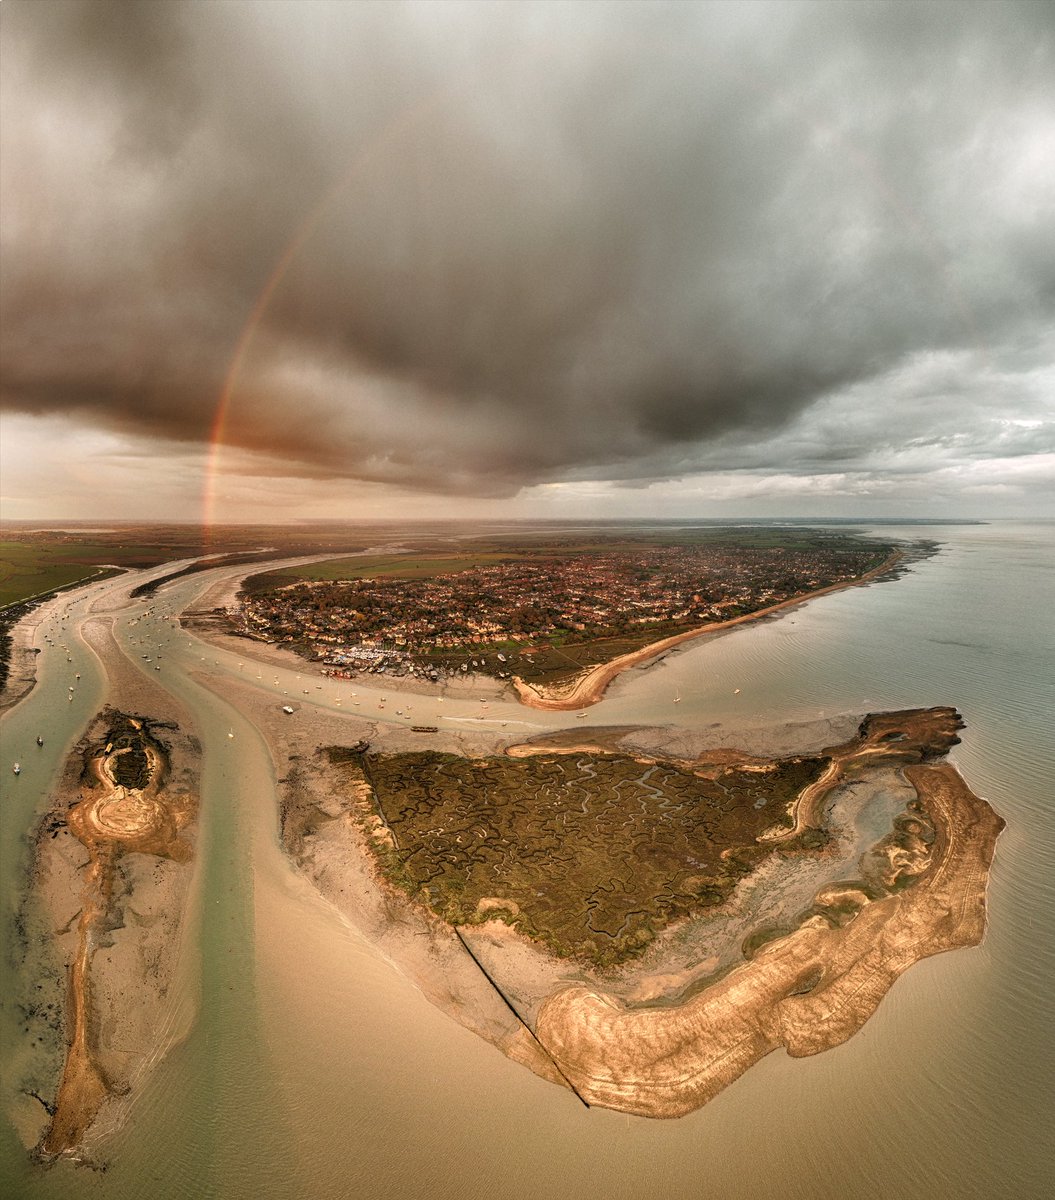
(315, 1069)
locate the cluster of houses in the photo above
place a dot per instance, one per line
(434, 625)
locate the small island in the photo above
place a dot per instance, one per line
(642, 926)
(101, 922)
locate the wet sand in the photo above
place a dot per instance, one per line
(22, 669)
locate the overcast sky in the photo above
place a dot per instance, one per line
(528, 259)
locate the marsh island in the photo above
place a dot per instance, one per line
(656, 924)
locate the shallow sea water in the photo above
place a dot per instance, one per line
(316, 1069)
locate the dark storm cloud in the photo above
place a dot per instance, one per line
(538, 241)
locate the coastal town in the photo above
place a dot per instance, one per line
(538, 616)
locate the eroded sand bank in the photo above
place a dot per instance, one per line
(808, 991)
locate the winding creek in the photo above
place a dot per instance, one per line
(311, 1067)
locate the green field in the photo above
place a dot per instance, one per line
(28, 568)
(386, 566)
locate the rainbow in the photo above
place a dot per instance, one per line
(390, 132)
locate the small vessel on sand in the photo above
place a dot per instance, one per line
(40, 740)
(17, 768)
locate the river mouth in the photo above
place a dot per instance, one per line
(358, 1082)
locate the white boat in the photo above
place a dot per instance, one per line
(17, 768)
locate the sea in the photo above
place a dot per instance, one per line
(314, 1068)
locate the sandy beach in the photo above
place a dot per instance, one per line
(589, 687)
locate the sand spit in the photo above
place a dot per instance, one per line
(800, 956)
(105, 914)
(587, 688)
(808, 991)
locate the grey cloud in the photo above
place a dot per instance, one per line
(537, 241)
